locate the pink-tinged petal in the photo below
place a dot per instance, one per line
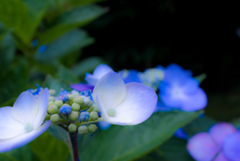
(9, 127)
(231, 146)
(20, 140)
(138, 105)
(25, 108)
(202, 147)
(221, 157)
(220, 131)
(110, 90)
(82, 87)
(194, 101)
(43, 106)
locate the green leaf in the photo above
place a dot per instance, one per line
(68, 43)
(55, 84)
(46, 147)
(130, 142)
(86, 65)
(70, 20)
(201, 77)
(7, 51)
(20, 154)
(22, 16)
(66, 75)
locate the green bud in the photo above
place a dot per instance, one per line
(47, 117)
(52, 109)
(87, 101)
(51, 98)
(55, 118)
(92, 128)
(52, 92)
(75, 107)
(95, 108)
(59, 103)
(71, 97)
(72, 127)
(78, 100)
(74, 115)
(82, 129)
(93, 116)
(50, 103)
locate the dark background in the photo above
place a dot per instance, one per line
(200, 36)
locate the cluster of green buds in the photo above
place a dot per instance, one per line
(74, 111)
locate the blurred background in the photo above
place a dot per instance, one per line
(63, 39)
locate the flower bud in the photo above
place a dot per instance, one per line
(72, 127)
(87, 101)
(65, 110)
(84, 117)
(51, 98)
(75, 107)
(92, 128)
(73, 116)
(52, 92)
(82, 129)
(50, 103)
(59, 103)
(95, 108)
(71, 97)
(78, 99)
(47, 117)
(93, 116)
(52, 109)
(55, 118)
(64, 98)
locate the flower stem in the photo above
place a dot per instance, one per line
(73, 137)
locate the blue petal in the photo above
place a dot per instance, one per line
(82, 87)
(131, 76)
(104, 125)
(231, 147)
(180, 133)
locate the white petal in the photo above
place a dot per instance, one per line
(110, 90)
(138, 105)
(20, 140)
(25, 107)
(9, 127)
(101, 70)
(42, 110)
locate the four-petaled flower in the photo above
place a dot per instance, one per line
(23, 122)
(123, 104)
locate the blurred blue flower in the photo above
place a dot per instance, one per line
(179, 89)
(130, 76)
(23, 122)
(221, 143)
(34, 43)
(42, 48)
(98, 73)
(180, 133)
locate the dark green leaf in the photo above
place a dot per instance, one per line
(20, 154)
(46, 147)
(131, 142)
(70, 20)
(66, 75)
(22, 16)
(68, 43)
(55, 84)
(86, 65)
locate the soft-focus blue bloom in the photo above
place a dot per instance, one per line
(152, 77)
(129, 76)
(221, 143)
(82, 87)
(23, 122)
(42, 48)
(123, 104)
(179, 89)
(98, 73)
(180, 133)
(34, 43)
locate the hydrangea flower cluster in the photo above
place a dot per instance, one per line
(221, 143)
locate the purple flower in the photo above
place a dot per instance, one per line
(221, 143)
(179, 89)
(82, 87)
(23, 122)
